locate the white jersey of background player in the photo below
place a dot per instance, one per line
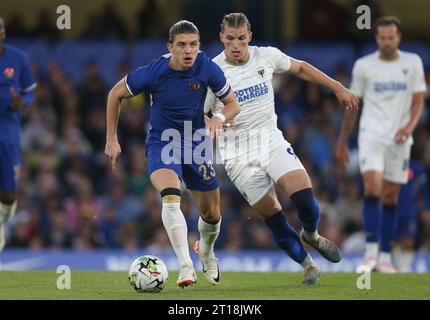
(387, 89)
(254, 170)
(391, 84)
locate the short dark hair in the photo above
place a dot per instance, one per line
(387, 21)
(180, 27)
(235, 20)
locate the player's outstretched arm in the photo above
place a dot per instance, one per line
(309, 73)
(116, 94)
(231, 110)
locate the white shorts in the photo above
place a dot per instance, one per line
(391, 160)
(254, 177)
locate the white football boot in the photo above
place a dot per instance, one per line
(187, 276)
(209, 266)
(311, 275)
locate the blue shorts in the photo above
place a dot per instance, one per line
(196, 176)
(9, 165)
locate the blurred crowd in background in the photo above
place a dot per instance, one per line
(69, 199)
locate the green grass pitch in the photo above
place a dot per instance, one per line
(17, 285)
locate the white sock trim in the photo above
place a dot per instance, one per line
(371, 249)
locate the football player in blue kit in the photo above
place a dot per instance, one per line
(177, 83)
(16, 92)
(414, 197)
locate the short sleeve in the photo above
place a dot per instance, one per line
(277, 58)
(418, 82)
(26, 80)
(138, 80)
(210, 101)
(217, 81)
(358, 81)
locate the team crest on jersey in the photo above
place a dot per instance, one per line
(194, 86)
(9, 72)
(260, 71)
(291, 152)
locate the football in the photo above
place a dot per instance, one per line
(148, 274)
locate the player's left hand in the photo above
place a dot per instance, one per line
(214, 126)
(403, 134)
(17, 101)
(347, 98)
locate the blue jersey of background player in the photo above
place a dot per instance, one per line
(178, 84)
(16, 92)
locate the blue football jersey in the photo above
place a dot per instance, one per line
(177, 96)
(15, 72)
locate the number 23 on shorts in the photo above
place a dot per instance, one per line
(207, 171)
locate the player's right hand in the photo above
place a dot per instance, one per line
(112, 151)
(342, 153)
(347, 98)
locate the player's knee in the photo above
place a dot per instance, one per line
(372, 188)
(389, 198)
(212, 213)
(170, 195)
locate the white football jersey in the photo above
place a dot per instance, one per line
(387, 88)
(252, 85)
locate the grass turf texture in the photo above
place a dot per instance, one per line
(18, 285)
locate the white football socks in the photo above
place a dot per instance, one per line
(208, 235)
(176, 227)
(371, 250)
(307, 262)
(384, 257)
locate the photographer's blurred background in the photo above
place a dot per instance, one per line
(69, 199)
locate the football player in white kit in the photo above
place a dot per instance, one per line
(257, 155)
(392, 86)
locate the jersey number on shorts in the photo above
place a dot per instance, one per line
(204, 168)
